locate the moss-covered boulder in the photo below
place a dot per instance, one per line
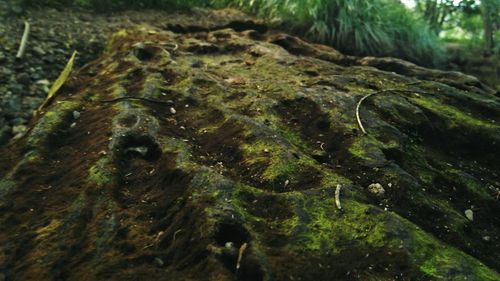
(237, 154)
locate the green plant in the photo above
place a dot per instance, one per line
(359, 27)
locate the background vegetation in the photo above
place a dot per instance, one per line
(357, 27)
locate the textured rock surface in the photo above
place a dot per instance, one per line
(53, 38)
(190, 146)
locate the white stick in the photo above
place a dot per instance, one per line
(337, 197)
(357, 112)
(24, 40)
(240, 255)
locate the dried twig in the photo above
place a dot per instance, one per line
(357, 111)
(168, 102)
(24, 40)
(240, 255)
(175, 233)
(337, 197)
(358, 118)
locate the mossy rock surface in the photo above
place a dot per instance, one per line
(193, 153)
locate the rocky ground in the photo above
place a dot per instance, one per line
(54, 36)
(209, 148)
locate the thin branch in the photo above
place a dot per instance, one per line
(169, 102)
(240, 255)
(337, 196)
(24, 40)
(358, 117)
(357, 111)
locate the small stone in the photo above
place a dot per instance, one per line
(43, 82)
(376, 189)
(287, 182)
(76, 114)
(172, 110)
(486, 238)
(159, 262)
(39, 51)
(142, 150)
(469, 214)
(229, 249)
(266, 150)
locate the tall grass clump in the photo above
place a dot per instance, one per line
(357, 27)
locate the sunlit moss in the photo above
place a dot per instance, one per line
(452, 115)
(440, 262)
(100, 174)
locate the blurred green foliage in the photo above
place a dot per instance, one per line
(358, 27)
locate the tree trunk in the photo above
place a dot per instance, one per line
(486, 10)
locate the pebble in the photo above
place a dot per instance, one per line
(376, 189)
(76, 114)
(172, 110)
(159, 262)
(39, 51)
(469, 214)
(43, 82)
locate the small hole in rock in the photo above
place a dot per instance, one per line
(231, 232)
(128, 121)
(144, 54)
(323, 125)
(140, 146)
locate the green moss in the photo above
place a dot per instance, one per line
(49, 121)
(121, 34)
(443, 262)
(6, 186)
(273, 156)
(320, 226)
(100, 174)
(367, 148)
(453, 116)
(471, 184)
